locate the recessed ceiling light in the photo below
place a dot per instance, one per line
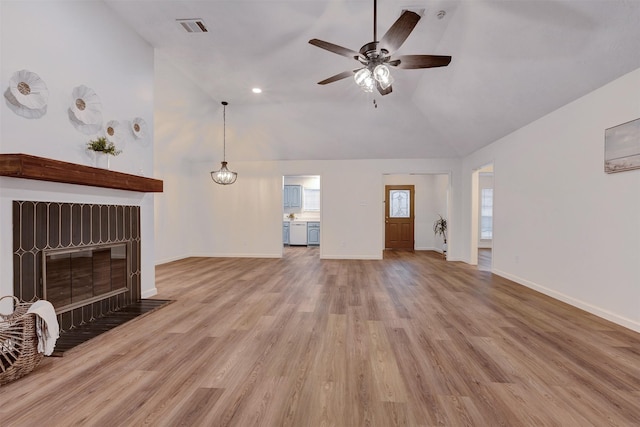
(256, 90)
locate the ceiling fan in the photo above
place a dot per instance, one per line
(376, 55)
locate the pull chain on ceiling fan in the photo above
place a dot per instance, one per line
(375, 56)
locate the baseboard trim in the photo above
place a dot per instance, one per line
(172, 259)
(234, 255)
(597, 311)
(364, 257)
(209, 255)
(214, 255)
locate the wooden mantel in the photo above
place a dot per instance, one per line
(39, 168)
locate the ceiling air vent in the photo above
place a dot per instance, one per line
(193, 25)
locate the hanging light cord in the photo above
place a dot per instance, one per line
(224, 131)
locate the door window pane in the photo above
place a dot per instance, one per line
(400, 203)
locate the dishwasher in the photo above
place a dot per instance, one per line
(298, 233)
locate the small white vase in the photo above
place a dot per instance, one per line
(101, 160)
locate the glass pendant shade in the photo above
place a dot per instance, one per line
(364, 79)
(369, 85)
(224, 176)
(382, 74)
(361, 76)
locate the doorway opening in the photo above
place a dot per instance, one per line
(482, 218)
(301, 208)
(399, 216)
(430, 200)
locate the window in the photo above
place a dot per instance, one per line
(486, 213)
(400, 200)
(311, 200)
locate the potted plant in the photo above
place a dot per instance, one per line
(102, 146)
(440, 228)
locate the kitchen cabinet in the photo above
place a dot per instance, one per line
(313, 233)
(285, 233)
(292, 196)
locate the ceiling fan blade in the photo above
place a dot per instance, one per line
(408, 62)
(337, 77)
(334, 48)
(399, 31)
(382, 91)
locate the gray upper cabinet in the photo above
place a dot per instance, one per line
(292, 196)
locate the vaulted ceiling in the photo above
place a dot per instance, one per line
(513, 62)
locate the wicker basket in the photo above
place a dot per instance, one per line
(18, 342)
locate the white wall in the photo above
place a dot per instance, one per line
(245, 219)
(69, 43)
(306, 181)
(430, 201)
(188, 125)
(561, 225)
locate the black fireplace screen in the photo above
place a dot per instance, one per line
(79, 276)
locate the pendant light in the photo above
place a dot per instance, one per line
(224, 176)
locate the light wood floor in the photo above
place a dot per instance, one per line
(484, 259)
(409, 340)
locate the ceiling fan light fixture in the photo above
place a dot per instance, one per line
(376, 55)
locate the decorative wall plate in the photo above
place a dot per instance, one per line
(87, 129)
(139, 128)
(27, 94)
(29, 89)
(113, 131)
(86, 105)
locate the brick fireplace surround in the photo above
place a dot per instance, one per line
(40, 226)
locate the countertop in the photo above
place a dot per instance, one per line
(298, 220)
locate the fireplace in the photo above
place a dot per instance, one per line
(79, 210)
(84, 258)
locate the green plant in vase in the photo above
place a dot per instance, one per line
(102, 145)
(440, 228)
(102, 149)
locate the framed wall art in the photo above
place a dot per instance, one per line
(622, 147)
